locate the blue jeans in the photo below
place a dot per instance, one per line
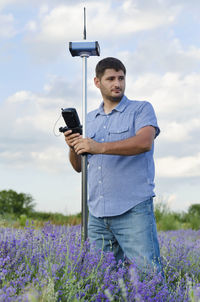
(132, 235)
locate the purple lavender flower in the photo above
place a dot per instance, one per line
(53, 262)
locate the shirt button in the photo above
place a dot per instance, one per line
(100, 181)
(104, 127)
(101, 196)
(99, 167)
(102, 139)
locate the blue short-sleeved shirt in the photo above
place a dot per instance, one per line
(117, 183)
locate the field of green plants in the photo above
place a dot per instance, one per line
(48, 262)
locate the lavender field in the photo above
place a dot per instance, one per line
(50, 264)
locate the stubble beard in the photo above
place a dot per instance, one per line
(115, 99)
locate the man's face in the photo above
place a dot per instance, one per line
(111, 85)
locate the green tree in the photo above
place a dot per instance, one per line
(194, 209)
(194, 216)
(15, 203)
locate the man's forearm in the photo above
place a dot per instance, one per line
(140, 143)
(124, 147)
(75, 160)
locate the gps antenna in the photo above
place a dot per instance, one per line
(84, 30)
(84, 49)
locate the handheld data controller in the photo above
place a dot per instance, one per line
(72, 121)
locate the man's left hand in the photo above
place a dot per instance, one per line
(86, 145)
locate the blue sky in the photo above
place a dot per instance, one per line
(158, 41)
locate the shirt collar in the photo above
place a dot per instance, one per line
(120, 106)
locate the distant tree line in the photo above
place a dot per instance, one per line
(22, 206)
(18, 204)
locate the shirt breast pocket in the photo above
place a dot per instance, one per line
(118, 134)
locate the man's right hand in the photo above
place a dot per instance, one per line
(71, 138)
(75, 159)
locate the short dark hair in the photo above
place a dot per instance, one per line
(109, 63)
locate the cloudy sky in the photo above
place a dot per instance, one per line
(158, 41)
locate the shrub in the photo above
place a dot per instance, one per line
(15, 203)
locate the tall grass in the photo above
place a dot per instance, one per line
(166, 218)
(170, 220)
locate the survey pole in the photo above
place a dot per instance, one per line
(84, 212)
(84, 49)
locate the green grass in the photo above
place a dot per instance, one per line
(166, 219)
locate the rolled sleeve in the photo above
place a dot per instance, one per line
(145, 116)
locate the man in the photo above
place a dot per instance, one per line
(119, 143)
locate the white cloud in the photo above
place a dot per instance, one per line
(178, 167)
(129, 18)
(179, 131)
(31, 26)
(28, 120)
(150, 15)
(7, 3)
(3, 3)
(32, 112)
(44, 8)
(42, 158)
(64, 23)
(51, 159)
(52, 30)
(7, 28)
(20, 97)
(172, 94)
(175, 132)
(162, 53)
(10, 155)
